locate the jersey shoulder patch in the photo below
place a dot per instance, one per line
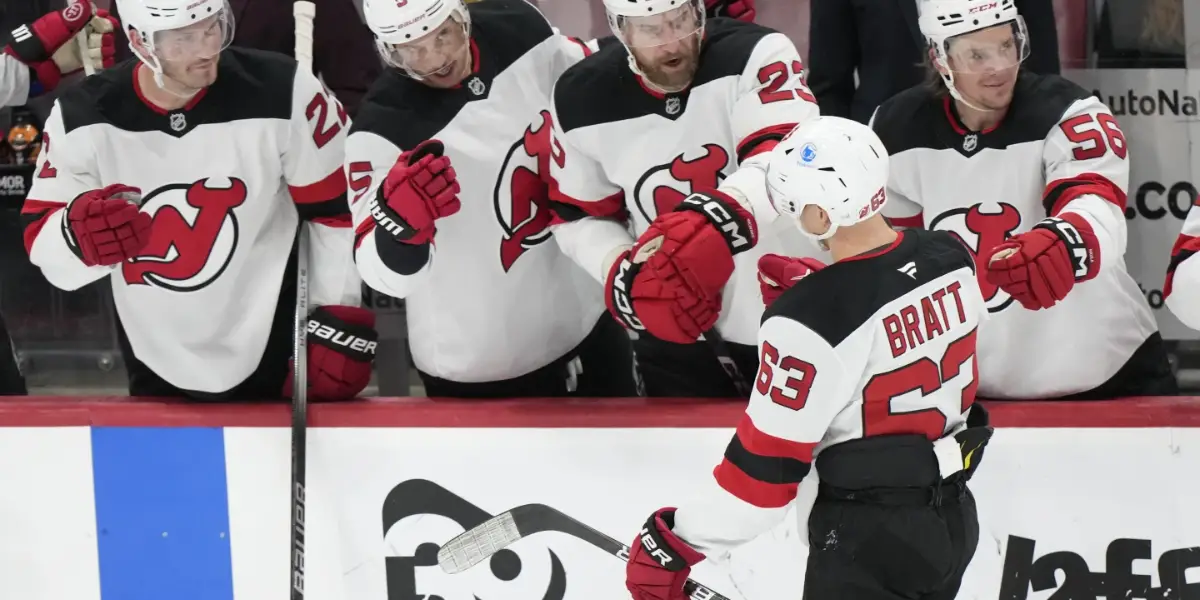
(834, 302)
(908, 119)
(598, 89)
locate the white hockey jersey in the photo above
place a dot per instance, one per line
(14, 81)
(1182, 288)
(226, 179)
(1058, 149)
(492, 298)
(878, 344)
(629, 150)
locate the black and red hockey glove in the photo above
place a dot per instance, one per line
(1041, 266)
(742, 10)
(37, 44)
(420, 189)
(778, 273)
(105, 227)
(341, 347)
(670, 283)
(659, 561)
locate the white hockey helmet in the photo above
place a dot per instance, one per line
(646, 23)
(403, 31)
(837, 164)
(942, 21)
(176, 30)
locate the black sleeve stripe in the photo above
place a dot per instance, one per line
(767, 469)
(334, 208)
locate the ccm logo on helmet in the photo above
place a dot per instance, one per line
(984, 7)
(341, 338)
(719, 214)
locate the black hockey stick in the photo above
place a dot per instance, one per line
(481, 542)
(718, 345)
(303, 11)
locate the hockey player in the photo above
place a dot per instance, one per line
(1031, 172)
(868, 373)
(445, 162)
(182, 177)
(676, 108)
(37, 55)
(1182, 288)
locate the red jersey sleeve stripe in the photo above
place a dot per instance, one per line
(752, 491)
(916, 221)
(34, 214)
(1061, 191)
(331, 187)
(762, 140)
(567, 209)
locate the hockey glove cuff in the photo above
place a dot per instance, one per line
(341, 347)
(421, 188)
(742, 10)
(778, 273)
(728, 217)
(659, 561)
(104, 227)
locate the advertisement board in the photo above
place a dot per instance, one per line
(1076, 501)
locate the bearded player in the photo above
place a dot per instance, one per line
(682, 105)
(182, 177)
(1031, 172)
(843, 346)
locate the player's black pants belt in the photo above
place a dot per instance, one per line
(945, 492)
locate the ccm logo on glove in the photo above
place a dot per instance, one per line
(738, 230)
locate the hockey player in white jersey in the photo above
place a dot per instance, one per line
(446, 162)
(675, 108)
(1031, 172)
(1182, 288)
(182, 176)
(37, 55)
(868, 374)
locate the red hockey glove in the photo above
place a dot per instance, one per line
(421, 188)
(778, 273)
(669, 284)
(104, 227)
(1041, 266)
(35, 44)
(659, 562)
(341, 346)
(742, 10)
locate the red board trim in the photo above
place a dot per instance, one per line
(624, 413)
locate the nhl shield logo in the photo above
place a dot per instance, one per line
(476, 86)
(178, 121)
(672, 106)
(970, 142)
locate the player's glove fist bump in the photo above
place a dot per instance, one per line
(105, 227)
(49, 50)
(420, 189)
(778, 273)
(1040, 267)
(669, 284)
(341, 348)
(659, 561)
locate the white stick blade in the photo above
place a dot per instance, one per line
(479, 544)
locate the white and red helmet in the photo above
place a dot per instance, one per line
(397, 23)
(943, 21)
(176, 30)
(837, 164)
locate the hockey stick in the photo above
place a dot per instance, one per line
(303, 11)
(481, 542)
(721, 349)
(81, 39)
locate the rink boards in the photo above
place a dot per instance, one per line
(129, 501)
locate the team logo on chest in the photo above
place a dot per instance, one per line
(476, 86)
(662, 188)
(970, 142)
(178, 121)
(521, 196)
(193, 235)
(981, 230)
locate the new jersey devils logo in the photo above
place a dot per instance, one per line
(521, 193)
(662, 188)
(193, 235)
(981, 232)
(419, 515)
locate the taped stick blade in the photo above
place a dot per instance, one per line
(479, 543)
